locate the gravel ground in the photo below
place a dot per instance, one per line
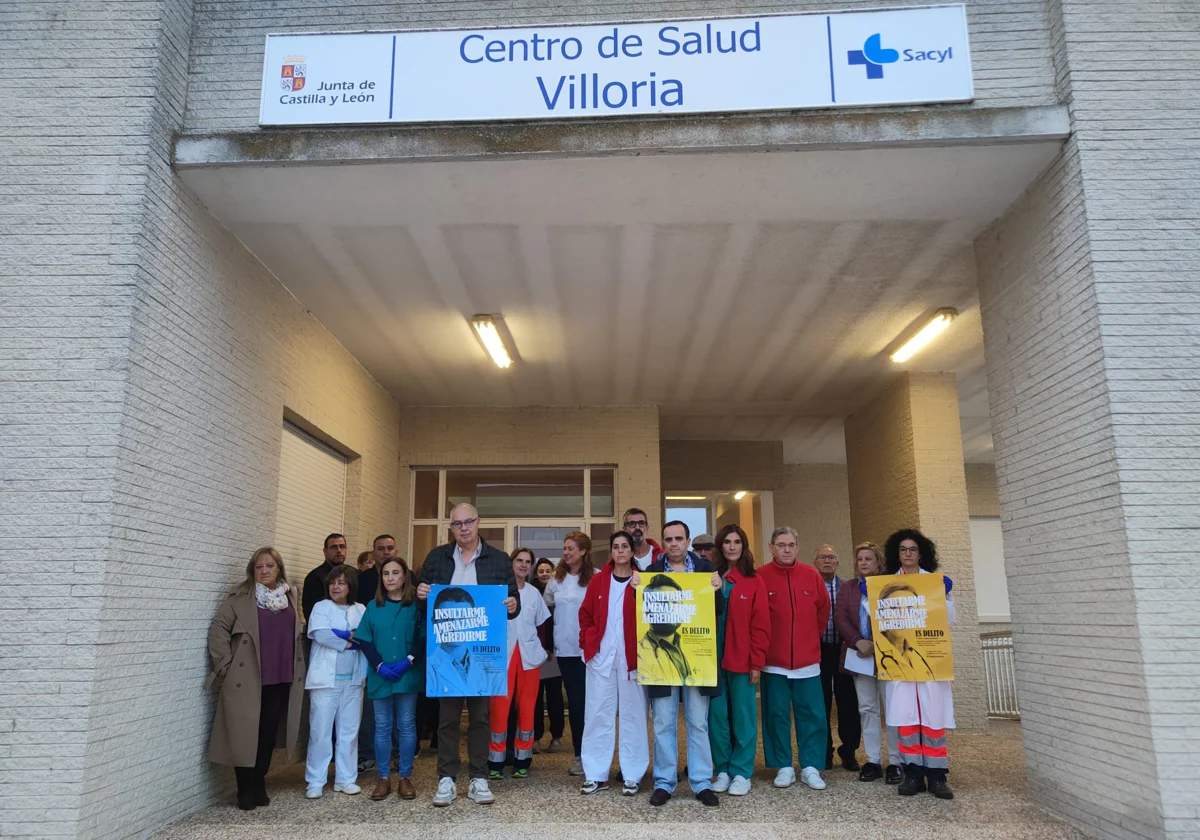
(987, 773)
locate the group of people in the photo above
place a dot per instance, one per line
(784, 629)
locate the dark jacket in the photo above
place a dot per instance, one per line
(845, 618)
(368, 583)
(314, 587)
(702, 566)
(492, 568)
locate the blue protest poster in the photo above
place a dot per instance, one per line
(466, 634)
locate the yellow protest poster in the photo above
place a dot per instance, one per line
(676, 630)
(910, 627)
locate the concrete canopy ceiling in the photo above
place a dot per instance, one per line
(750, 296)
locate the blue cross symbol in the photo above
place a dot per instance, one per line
(873, 56)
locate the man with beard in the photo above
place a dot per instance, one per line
(636, 524)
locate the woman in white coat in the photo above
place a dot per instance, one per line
(336, 670)
(922, 711)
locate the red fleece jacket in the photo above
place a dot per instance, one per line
(798, 603)
(747, 624)
(593, 617)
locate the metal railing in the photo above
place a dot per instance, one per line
(1001, 675)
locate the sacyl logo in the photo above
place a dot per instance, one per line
(873, 56)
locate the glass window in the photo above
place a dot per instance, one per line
(602, 493)
(509, 493)
(425, 539)
(425, 494)
(601, 531)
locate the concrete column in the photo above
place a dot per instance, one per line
(1088, 290)
(905, 463)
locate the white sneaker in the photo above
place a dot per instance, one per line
(480, 793)
(786, 777)
(314, 792)
(721, 783)
(350, 788)
(740, 786)
(447, 792)
(812, 777)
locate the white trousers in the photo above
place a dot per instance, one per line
(870, 702)
(339, 706)
(611, 698)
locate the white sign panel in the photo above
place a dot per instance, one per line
(903, 56)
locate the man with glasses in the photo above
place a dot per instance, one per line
(467, 561)
(636, 524)
(799, 608)
(836, 685)
(314, 582)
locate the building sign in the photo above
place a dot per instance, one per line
(897, 57)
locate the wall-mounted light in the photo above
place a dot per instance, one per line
(493, 334)
(940, 320)
(739, 495)
(686, 498)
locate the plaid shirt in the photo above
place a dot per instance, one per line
(830, 636)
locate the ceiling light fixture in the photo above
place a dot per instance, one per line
(493, 334)
(940, 320)
(739, 495)
(686, 498)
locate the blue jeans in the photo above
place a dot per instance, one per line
(398, 711)
(666, 741)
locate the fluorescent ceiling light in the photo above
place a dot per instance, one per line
(739, 495)
(686, 498)
(940, 320)
(493, 334)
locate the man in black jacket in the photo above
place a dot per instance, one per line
(467, 561)
(314, 582)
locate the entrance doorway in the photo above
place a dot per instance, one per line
(531, 506)
(709, 512)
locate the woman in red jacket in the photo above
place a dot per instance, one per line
(743, 633)
(798, 604)
(607, 636)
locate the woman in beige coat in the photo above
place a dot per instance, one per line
(258, 667)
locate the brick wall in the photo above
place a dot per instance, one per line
(502, 437)
(983, 497)
(904, 460)
(721, 464)
(1087, 288)
(815, 500)
(1008, 40)
(150, 359)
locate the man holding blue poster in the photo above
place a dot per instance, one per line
(467, 566)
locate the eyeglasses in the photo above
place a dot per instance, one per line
(636, 523)
(909, 549)
(827, 557)
(785, 546)
(463, 523)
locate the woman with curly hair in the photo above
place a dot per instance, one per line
(922, 711)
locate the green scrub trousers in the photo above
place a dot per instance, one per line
(733, 726)
(781, 699)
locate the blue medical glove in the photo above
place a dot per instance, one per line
(341, 634)
(401, 668)
(949, 583)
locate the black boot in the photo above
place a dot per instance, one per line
(245, 787)
(260, 789)
(914, 780)
(937, 784)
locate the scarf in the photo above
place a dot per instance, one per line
(274, 600)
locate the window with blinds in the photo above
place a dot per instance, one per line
(311, 500)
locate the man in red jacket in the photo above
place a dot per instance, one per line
(791, 680)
